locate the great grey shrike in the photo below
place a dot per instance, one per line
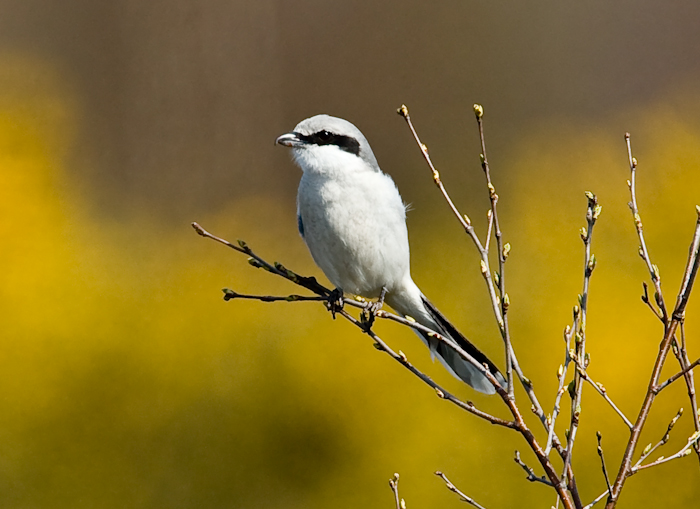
(353, 220)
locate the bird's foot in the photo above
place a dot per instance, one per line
(335, 302)
(369, 313)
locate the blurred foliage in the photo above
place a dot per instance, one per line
(126, 381)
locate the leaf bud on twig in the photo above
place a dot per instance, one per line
(577, 310)
(467, 220)
(252, 261)
(243, 244)
(439, 393)
(484, 268)
(591, 263)
(497, 278)
(478, 110)
(646, 450)
(403, 356)
(638, 220)
(403, 111)
(560, 371)
(655, 272)
(506, 303)
(634, 162)
(584, 234)
(597, 210)
(506, 250)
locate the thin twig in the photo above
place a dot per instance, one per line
(685, 451)
(231, 294)
(531, 476)
(453, 489)
(645, 300)
(561, 375)
(600, 389)
(597, 499)
(643, 251)
(489, 217)
(589, 263)
(394, 485)
(503, 249)
(649, 449)
(675, 377)
(602, 460)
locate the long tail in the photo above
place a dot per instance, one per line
(412, 302)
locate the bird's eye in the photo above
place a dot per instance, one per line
(324, 136)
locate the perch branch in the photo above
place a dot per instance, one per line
(453, 489)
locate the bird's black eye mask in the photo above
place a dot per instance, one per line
(346, 143)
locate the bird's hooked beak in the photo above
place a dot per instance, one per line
(292, 139)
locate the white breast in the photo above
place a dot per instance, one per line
(355, 227)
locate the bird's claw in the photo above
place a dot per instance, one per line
(369, 313)
(335, 302)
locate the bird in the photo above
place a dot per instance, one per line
(353, 220)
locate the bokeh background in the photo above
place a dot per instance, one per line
(125, 379)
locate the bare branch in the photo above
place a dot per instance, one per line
(394, 485)
(675, 377)
(530, 472)
(561, 375)
(496, 304)
(602, 460)
(600, 389)
(597, 499)
(503, 249)
(231, 294)
(648, 450)
(579, 350)
(670, 328)
(643, 251)
(681, 354)
(453, 489)
(685, 451)
(645, 300)
(489, 217)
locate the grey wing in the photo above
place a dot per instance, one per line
(300, 225)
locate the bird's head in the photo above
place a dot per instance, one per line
(325, 144)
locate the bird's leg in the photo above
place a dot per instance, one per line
(371, 308)
(335, 301)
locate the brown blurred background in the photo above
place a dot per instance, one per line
(127, 382)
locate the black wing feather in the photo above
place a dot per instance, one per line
(457, 336)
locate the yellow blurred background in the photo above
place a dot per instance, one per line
(126, 380)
